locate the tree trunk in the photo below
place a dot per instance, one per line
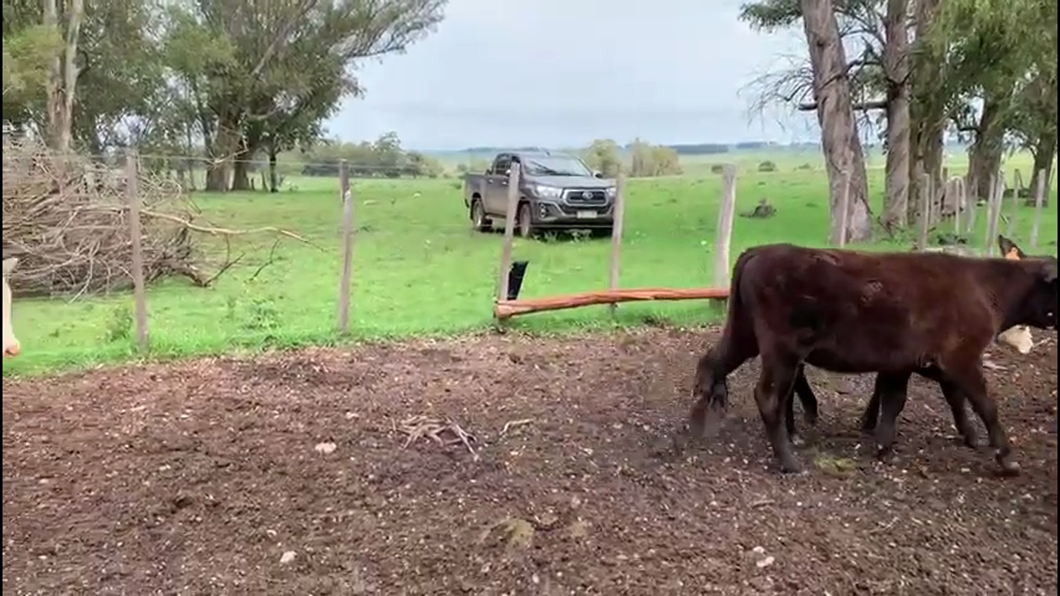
(216, 176)
(835, 114)
(225, 144)
(241, 179)
(927, 160)
(1044, 151)
(189, 163)
(241, 173)
(896, 66)
(274, 181)
(62, 81)
(927, 110)
(984, 157)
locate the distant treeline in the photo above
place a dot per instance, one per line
(384, 158)
(693, 148)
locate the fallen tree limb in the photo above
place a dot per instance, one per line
(213, 230)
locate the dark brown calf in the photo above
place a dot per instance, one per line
(855, 312)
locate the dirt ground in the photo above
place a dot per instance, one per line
(286, 474)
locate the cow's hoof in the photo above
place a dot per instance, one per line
(1008, 466)
(885, 454)
(789, 466)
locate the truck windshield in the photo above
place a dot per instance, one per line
(556, 166)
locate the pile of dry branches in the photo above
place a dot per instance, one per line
(415, 427)
(66, 219)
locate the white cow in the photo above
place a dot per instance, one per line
(1018, 337)
(11, 345)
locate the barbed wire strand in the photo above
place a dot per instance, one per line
(118, 160)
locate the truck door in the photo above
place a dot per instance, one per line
(497, 185)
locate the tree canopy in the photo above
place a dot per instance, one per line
(223, 79)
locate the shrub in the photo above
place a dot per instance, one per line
(767, 166)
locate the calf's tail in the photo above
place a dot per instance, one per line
(737, 342)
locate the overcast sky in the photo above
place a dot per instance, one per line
(563, 72)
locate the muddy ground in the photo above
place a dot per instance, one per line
(286, 474)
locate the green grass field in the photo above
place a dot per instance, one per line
(419, 269)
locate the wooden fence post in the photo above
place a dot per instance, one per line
(723, 240)
(933, 204)
(938, 197)
(1017, 185)
(844, 210)
(1039, 200)
(994, 212)
(347, 247)
(619, 213)
(509, 232)
(971, 202)
(925, 211)
(132, 190)
(956, 193)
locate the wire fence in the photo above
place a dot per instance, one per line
(334, 255)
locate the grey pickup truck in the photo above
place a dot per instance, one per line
(555, 192)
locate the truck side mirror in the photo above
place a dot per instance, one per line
(597, 174)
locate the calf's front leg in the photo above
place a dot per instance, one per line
(967, 376)
(806, 395)
(773, 389)
(954, 399)
(891, 391)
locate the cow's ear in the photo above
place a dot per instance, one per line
(1049, 271)
(1009, 250)
(9, 265)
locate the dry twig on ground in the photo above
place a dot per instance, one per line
(511, 424)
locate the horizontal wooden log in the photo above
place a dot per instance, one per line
(509, 308)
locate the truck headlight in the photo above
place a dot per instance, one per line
(612, 191)
(547, 192)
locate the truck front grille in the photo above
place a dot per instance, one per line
(586, 197)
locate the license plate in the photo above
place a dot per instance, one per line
(586, 214)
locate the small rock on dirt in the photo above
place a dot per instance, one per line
(578, 529)
(287, 557)
(325, 448)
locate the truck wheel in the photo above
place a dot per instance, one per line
(479, 221)
(523, 221)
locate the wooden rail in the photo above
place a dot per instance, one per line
(504, 309)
